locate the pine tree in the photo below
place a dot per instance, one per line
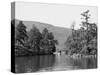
(21, 33)
(90, 30)
(34, 38)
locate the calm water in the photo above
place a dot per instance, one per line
(52, 63)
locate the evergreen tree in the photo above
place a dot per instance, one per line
(34, 38)
(50, 36)
(21, 33)
(48, 42)
(90, 30)
(45, 33)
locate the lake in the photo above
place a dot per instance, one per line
(41, 63)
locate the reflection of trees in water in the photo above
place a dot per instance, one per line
(52, 62)
(47, 62)
(92, 63)
(27, 64)
(84, 63)
(34, 63)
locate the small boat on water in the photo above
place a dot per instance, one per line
(57, 53)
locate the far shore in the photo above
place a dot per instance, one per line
(81, 56)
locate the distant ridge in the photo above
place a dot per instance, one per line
(60, 33)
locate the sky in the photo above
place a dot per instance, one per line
(62, 15)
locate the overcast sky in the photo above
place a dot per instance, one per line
(56, 14)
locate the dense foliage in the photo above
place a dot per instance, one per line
(33, 42)
(84, 39)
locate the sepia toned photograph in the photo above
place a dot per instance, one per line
(53, 37)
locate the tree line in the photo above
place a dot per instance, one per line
(83, 40)
(33, 42)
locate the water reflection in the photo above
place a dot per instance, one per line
(52, 62)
